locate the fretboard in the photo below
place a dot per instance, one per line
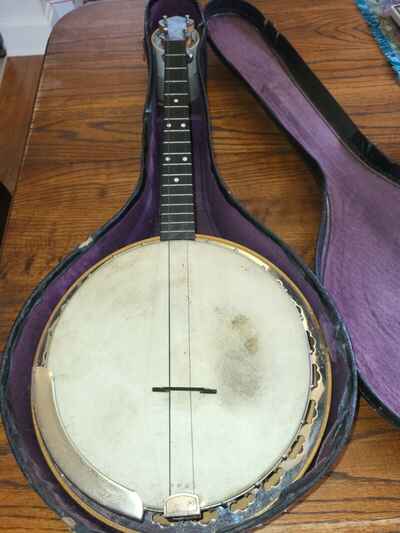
(177, 200)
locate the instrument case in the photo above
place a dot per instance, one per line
(358, 250)
(219, 214)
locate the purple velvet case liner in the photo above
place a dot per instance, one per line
(308, 82)
(329, 108)
(136, 221)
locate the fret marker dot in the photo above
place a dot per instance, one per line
(169, 125)
(176, 100)
(167, 159)
(183, 125)
(176, 180)
(184, 158)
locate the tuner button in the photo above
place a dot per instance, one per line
(163, 24)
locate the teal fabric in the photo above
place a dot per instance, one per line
(384, 29)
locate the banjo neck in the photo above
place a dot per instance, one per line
(177, 217)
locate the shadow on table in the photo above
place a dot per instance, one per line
(5, 199)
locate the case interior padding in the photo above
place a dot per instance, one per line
(359, 246)
(217, 214)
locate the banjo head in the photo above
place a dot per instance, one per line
(180, 380)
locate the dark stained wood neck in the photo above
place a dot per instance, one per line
(177, 221)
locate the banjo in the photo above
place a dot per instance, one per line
(184, 377)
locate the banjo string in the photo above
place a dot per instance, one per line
(190, 359)
(169, 366)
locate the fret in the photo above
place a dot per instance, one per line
(187, 185)
(180, 184)
(178, 222)
(173, 214)
(175, 164)
(177, 119)
(178, 231)
(170, 216)
(180, 164)
(170, 210)
(174, 174)
(176, 185)
(180, 204)
(178, 72)
(176, 195)
(176, 142)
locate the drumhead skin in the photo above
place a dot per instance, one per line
(205, 315)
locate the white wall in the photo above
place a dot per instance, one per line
(26, 24)
(13, 10)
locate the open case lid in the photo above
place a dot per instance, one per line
(358, 250)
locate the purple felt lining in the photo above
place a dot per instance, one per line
(361, 252)
(216, 215)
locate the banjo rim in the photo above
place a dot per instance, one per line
(324, 389)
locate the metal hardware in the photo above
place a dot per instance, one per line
(182, 506)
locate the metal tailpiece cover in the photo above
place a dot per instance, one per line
(67, 459)
(182, 506)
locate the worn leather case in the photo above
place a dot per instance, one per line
(358, 251)
(217, 213)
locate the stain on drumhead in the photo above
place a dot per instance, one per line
(238, 364)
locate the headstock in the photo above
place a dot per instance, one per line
(177, 28)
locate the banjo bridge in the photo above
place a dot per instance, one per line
(202, 390)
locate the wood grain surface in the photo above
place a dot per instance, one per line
(17, 93)
(82, 161)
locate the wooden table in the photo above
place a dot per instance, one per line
(82, 161)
